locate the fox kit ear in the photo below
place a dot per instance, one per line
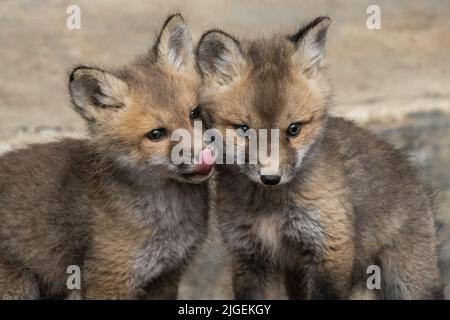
(219, 56)
(309, 44)
(174, 47)
(94, 91)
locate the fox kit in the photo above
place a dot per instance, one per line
(114, 205)
(340, 200)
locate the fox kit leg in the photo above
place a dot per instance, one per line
(323, 238)
(108, 284)
(106, 273)
(250, 276)
(406, 276)
(17, 285)
(296, 283)
(332, 280)
(328, 277)
(409, 269)
(163, 288)
(119, 285)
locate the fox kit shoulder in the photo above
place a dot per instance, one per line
(114, 205)
(337, 200)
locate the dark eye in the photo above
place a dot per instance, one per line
(156, 134)
(294, 129)
(195, 113)
(241, 128)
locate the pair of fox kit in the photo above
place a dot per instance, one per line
(118, 207)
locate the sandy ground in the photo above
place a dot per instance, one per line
(394, 80)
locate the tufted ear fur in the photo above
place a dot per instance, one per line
(174, 47)
(309, 44)
(219, 56)
(94, 91)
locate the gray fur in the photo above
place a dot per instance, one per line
(114, 205)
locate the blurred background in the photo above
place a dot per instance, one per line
(394, 80)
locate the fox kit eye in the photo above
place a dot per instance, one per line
(294, 129)
(156, 134)
(241, 129)
(195, 113)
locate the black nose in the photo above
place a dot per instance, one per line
(270, 180)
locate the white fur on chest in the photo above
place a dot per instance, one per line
(267, 229)
(278, 231)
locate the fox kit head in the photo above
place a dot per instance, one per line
(131, 112)
(274, 83)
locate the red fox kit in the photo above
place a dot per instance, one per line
(114, 205)
(340, 199)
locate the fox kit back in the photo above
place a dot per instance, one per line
(331, 201)
(115, 205)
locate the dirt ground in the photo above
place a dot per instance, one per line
(394, 81)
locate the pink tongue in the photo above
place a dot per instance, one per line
(207, 160)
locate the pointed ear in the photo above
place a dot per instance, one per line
(94, 91)
(219, 56)
(309, 44)
(174, 47)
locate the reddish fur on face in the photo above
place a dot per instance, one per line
(146, 110)
(271, 92)
(155, 92)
